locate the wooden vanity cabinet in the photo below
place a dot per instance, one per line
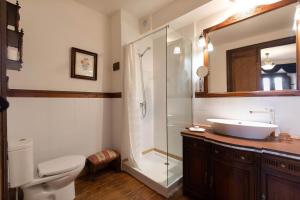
(195, 168)
(280, 178)
(233, 174)
(219, 173)
(215, 172)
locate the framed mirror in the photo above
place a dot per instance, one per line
(254, 54)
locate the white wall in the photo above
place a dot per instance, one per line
(51, 29)
(61, 126)
(238, 108)
(116, 49)
(126, 28)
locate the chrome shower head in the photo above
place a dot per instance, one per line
(142, 54)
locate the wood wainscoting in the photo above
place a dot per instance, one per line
(61, 94)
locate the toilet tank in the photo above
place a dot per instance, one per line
(20, 162)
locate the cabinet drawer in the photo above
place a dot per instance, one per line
(194, 143)
(285, 165)
(228, 154)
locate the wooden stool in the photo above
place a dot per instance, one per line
(101, 160)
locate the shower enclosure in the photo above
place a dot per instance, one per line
(158, 105)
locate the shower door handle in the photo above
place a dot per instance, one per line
(4, 104)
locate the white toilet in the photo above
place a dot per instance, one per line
(55, 178)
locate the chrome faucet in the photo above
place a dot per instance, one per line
(271, 112)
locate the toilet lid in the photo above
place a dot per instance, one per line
(60, 165)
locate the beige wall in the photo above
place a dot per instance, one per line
(116, 49)
(125, 29)
(61, 126)
(51, 29)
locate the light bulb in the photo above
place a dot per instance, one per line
(177, 50)
(210, 47)
(268, 64)
(201, 41)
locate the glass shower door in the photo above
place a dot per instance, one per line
(179, 100)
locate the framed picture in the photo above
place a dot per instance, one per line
(83, 64)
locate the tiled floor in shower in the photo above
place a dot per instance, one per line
(154, 165)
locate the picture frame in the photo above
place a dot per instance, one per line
(83, 64)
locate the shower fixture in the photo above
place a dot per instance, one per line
(145, 51)
(143, 103)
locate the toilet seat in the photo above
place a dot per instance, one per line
(55, 178)
(59, 165)
(70, 169)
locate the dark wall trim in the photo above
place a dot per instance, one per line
(278, 93)
(61, 94)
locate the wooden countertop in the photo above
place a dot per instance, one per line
(288, 148)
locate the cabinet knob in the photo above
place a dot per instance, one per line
(243, 157)
(282, 165)
(263, 197)
(216, 151)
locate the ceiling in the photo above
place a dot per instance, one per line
(202, 12)
(138, 8)
(280, 54)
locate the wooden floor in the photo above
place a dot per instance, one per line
(110, 185)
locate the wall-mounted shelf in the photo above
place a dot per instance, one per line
(14, 37)
(13, 65)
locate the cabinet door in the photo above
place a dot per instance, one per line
(232, 179)
(195, 168)
(280, 179)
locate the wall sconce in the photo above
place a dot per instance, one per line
(202, 43)
(210, 46)
(177, 50)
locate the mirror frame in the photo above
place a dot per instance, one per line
(259, 10)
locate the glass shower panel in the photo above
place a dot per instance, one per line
(160, 105)
(151, 61)
(179, 99)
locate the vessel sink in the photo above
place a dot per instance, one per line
(242, 129)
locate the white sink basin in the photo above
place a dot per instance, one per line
(242, 129)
